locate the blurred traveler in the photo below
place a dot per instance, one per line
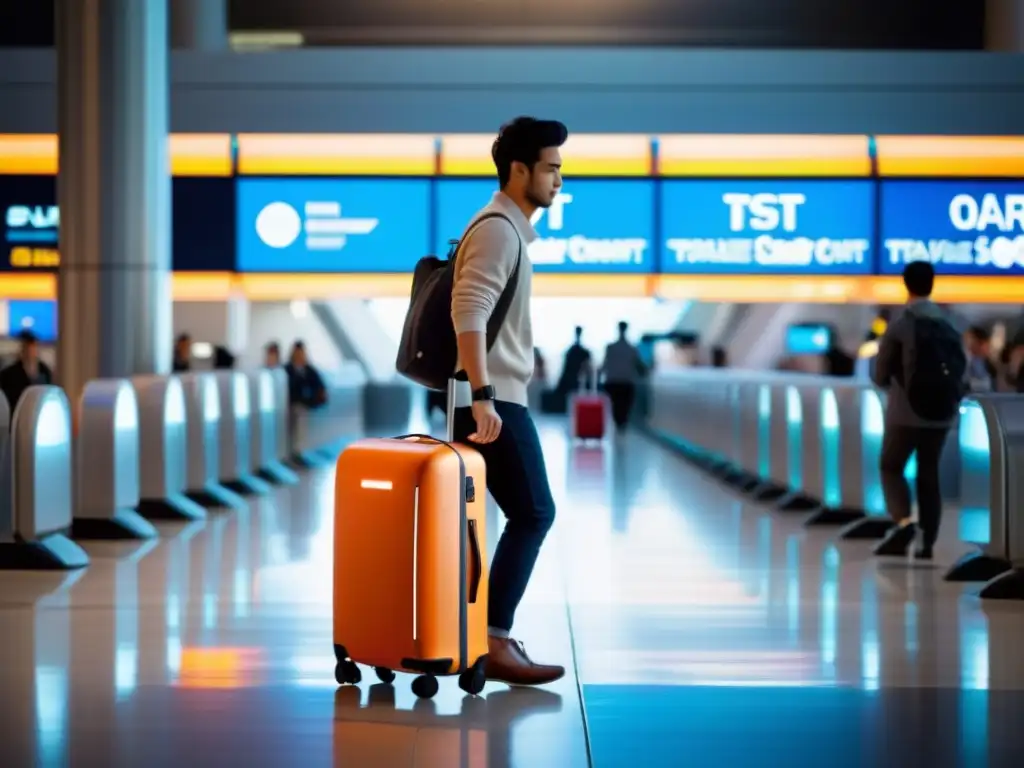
(622, 367)
(981, 371)
(182, 354)
(538, 383)
(272, 355)
(922, 365)
(305, 385)
(27, 371)
(577, 366)
(719, 357)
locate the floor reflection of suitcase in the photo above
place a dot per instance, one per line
(410, 571)
(475, 732)
(381, 734)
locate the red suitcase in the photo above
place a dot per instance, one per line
(588, 412)
(588, 417)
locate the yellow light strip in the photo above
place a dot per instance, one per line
(191, 154)
(276, 287)
(979, 156)
(585, 286)
(201, 154)
(185, 286)
(976, 290)
(272, 287)
(28, 154)
(584, 154)
(317, 154)
(38, 285)
(220, 286)
(763, 155)
(203, 286)
(835, 290)
(759, 289)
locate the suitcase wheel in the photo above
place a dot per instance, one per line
(347, 673)
(384, 674)
(425, 686)
(472, 681)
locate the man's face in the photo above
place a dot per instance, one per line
(273, 358)
(974, 344)
(545, 179)
(30, 351)
(184, 348)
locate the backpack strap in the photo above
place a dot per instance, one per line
(501, 308)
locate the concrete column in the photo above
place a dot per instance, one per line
(114, 190)
(199, 25)
(1004, 26)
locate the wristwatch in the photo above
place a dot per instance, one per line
(484, 393)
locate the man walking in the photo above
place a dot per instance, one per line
(922, 365)
(622, 368)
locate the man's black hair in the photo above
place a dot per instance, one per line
(25, 336)
(522, 140)
(980, 332)
(919, 278)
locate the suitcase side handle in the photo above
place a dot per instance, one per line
(476, 565)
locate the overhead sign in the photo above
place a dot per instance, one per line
(332, 225)
(962, 228)
(593, 226)
(203, 217)
(806, 227)
(37, 316)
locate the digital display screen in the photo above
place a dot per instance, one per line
(38, 316)
(203, 221)
(961, 227)
(332, 225)
(808, 339)
(30, 224)
(594, 226)
(815, 227)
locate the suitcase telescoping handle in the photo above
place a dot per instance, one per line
(449, 411)
(476, 567)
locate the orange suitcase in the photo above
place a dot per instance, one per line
(410, 577)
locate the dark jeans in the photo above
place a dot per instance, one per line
(898, 444)
(622, 395)
(518, 481)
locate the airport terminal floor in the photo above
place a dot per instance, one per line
(697, 628)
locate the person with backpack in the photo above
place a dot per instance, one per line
(922, 365)
(469, 316)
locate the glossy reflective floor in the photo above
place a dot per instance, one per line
(697, 631)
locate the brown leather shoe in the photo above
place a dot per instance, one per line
(507, 662)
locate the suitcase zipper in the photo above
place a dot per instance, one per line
(415, 551)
